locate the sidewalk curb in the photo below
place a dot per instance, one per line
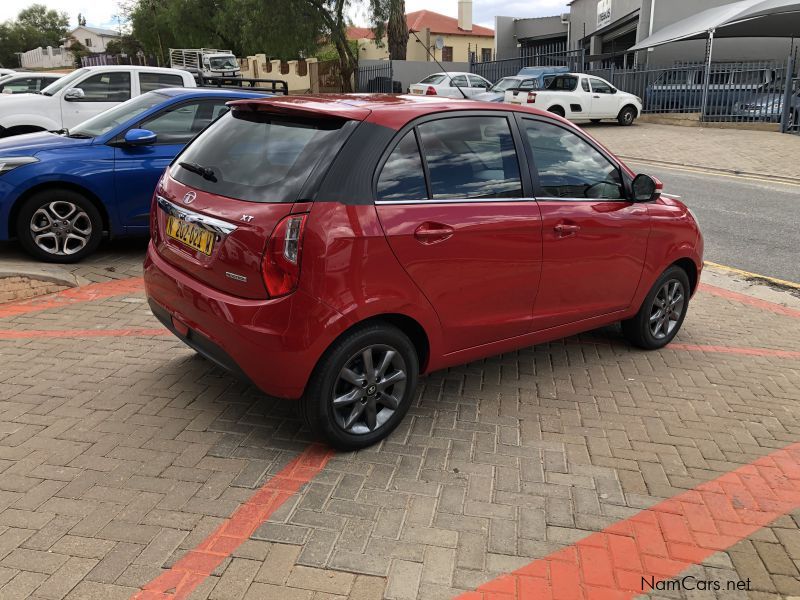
(49, 273)
(717, 170)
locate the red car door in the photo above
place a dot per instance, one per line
(594, 238)
(465, 234)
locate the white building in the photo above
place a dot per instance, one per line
(94, 38)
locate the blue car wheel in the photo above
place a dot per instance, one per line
(59, 226)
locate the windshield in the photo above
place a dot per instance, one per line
(433, 79)
(256, 156)
(108, 120)
(504, 84)
(64, 82)
(224, 62)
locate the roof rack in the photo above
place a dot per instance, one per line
(275, 86)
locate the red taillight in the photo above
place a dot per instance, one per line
(531, 97)
(280, 266)
(431, 91)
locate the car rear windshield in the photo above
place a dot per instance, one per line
(258, 156)
(433, 79)
(567, 83)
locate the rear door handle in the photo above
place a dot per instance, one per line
(431, 233)
(565, 230)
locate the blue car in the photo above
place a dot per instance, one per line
(61, 191)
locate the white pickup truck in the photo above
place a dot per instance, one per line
(82, 94)
(577, 96)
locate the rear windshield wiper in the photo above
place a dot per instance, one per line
(204, 172)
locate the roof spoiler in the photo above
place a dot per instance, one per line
(303, 107)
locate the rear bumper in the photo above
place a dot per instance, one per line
(273, 343)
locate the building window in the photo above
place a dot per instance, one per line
(88, 42)
(486, 54)
(447, 54)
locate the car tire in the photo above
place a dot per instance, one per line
(557, 110)
(68, 239)
(654, 327)
(364, 413)
(627, 116)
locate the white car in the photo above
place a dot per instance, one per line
(83, 94)
(448, 84)
(576, 96)
(26, 83)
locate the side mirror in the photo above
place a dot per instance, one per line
(646, 188)
(140, 137)
(614, 90)
(73, 94)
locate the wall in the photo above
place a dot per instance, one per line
(461, 44)
(667, 12)
(505, 42)
(98, 42)
(408, 72)
(296, 74)
(46, 58)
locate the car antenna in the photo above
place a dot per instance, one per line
(433, 56)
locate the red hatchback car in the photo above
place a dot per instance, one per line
(331, 249)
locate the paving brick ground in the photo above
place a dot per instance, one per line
(120, 454)
(758, 152)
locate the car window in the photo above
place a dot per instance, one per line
(547, 80)
(528, 84)
(479, 82)
(471, 157)
(154, 81)
(21, 86)
(179, 124)
(433, 79)
(259, 157)
(564, 82)
(107, 87)
(459, 81)
(600, 87)
(403, 177)
(584, 84)
(569, 167)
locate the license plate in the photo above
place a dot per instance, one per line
(190, 235)
(416, 91)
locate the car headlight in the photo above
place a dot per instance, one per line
(694, 216)
(639, 99)
(12, 162)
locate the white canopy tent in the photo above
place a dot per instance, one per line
(745, 18)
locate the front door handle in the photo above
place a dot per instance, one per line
(565, 230)
(431, 233)
(597, 97)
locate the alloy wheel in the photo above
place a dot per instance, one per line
(369, 389)
(667, 309)
(61, 228)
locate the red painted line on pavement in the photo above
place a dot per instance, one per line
(749, 300)
(735, 350)
(190, 571)
(14, 334)
(86, 293)
(662, 541)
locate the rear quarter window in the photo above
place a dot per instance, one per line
(257, 156)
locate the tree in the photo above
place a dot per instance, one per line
(35, 26)
(389, 16)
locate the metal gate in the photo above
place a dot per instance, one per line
(375, 78)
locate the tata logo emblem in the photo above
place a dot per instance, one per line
(189, 197)
(247, 218)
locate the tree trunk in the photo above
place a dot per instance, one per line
(397, 30)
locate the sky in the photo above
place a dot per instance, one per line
(102, 13)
